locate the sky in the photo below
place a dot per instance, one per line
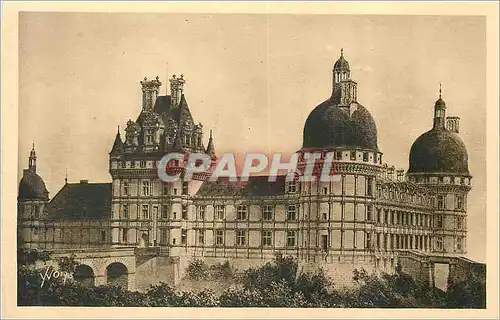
(252, 78)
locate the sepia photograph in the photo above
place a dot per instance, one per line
(251, 160)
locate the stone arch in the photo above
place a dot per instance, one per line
(84, 274)
(117, 274)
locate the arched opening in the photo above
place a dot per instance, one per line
(85, 275)
(117, 275)
(144, 241)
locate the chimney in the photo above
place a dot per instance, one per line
(150, 89)
(84, 181)
(452, 124)
(176, 89)
(390, 173)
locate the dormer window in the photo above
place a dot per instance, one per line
(291, 187)
(353, 155)
(149, 137)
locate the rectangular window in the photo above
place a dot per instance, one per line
(368, 237)
(142, 163)
(164, 235)
(125, 211)
(219, 212)
(267, 238)
(459, 243)
(291, 238)
(459, 223)
(291, 187)
(183, 236)
(200, 236)
(338, 155)
(369, 186)
(241, 212)
(125, 235)
(267, 212)
(392, 217)
(440, 201)
(145, 211)
(439, 222)
(184, 187)
(365, 156)
(125, 188)
(145, 188)
(379, 216)
(184, 212)
(219, 237)
(241, 237)
(369, 212)
(386, 217)
(149, 136)
(459, 202)
(132, 164)
(165, 189)
(325, 190)
(124, 164)
(200, 210)
(291, 212)
(439, 243)
(103, 236)
(164, 213)
(353, 155)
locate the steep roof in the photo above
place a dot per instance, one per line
(255, 186)
(81, 201)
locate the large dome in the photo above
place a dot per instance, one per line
(439, 151)
(330, 125)
(32, 187)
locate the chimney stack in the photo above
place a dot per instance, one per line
(150, 89)
(452, 124)
(176, 89)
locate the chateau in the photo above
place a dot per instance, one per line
(373, 215)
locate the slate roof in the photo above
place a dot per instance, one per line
(32, 187)
(256, 186)
(81, 201)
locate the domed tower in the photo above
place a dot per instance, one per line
(31, 201)
(340, 131)
(438, 161)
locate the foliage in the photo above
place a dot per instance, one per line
(275, 284)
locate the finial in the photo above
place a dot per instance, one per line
(342, 52)
(33, 146)
(118, 130)
(440, 90)
(157, 78)
(210, 133)
(66, 177)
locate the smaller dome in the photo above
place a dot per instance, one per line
(32, 187)
(440, 103)
(341, 64)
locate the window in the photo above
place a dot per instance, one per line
(325, 216)
(125, 211)
(290, 238)
(164, 213)
(124, 164)
(149, 136)
(145, 188)
(459, 243)
(459, 202)
(338, 155)
(184, 212)
(183, 236)
(201, 236)
(291, 187)
(368, 237)
(184, 187)
(392, 217)
(175, 191)
(459, 223)
(132, 164)
(125, 188)
(145, 211)
(369, 212)
(439, 243)
(164, 235)
(386, 217)
(103, 236)
(291, 212)
(369, 186)
(379, 216)
(241, 213)
(165, 189)
(142, 163)
(267, 212)
(125, 235)
(200, 212)
(219, 212)
(325, 190)
(440, 201)
(353, 155)
(267, 238)
(241, 237)
(365, 156)
(439, 222)
(219, 237)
